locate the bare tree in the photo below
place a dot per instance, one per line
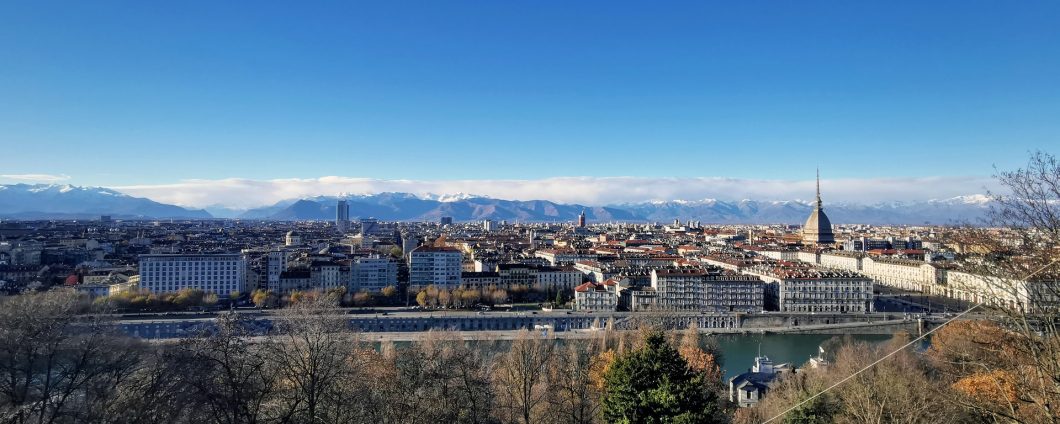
(53, 366)
(902, 389)
(895, 391)
(572, 396)
(156, 392)
(1011, 266)
(314, 357)
(227, 374)
(520, 377)
(438, 379)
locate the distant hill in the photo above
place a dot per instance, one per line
(52, 201)
(957, 210)
(64, 201)
(409, 207)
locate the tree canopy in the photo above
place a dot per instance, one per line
(654, 384)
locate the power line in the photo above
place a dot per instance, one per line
(912, 342)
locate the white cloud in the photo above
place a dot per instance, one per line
(40, 178)
(245, 193)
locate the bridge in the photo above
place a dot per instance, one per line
(178, 326)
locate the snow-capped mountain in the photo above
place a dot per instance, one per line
(43, 201)
(963, 209)
(446, 198)
(409, 207)
(30, 201)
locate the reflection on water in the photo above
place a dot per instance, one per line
(740, 349)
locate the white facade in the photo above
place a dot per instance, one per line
(218, 273)
(1009, 293)
(326, 275)
(696, 290)
(440, 266)
(563, 256)
(373, 274)
(844, 261)
(276, 263)
(805, 256)
(827, 295)
(559, 279)
(902, 273)
(780, 255)
(293, 239)
(819, 291)
(596, 297)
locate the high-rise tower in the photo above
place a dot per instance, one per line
(342, 216)
(818, 229)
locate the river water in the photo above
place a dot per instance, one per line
(739, 350)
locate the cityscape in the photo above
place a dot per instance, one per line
(513, 213)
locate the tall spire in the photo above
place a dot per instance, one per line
(818, 188)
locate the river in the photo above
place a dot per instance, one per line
(739, 350)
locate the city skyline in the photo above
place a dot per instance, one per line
(488, 92)
(529, 212)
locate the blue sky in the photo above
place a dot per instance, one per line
(129, 93)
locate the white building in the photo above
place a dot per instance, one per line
(107, 288)
(440, 266)
(293, 239)
(596, 297)
(485, 264)
(808, 256)
(326, 275)
(557, 257)
(780, 255)
(558, 278)
(373, 273)
(902, 273)
(276, 264)
(747, 389)
(841, 260)
(218, 273)
(22, 253)
(818, 290)
(1009, 293)
(698, 290)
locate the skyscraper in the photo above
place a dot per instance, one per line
(818, 229)
(342, 216)
(581, 219)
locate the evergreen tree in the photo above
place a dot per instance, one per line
(816, 411)
(653, 384)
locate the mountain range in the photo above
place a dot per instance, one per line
(64, 201)
(48, 201)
